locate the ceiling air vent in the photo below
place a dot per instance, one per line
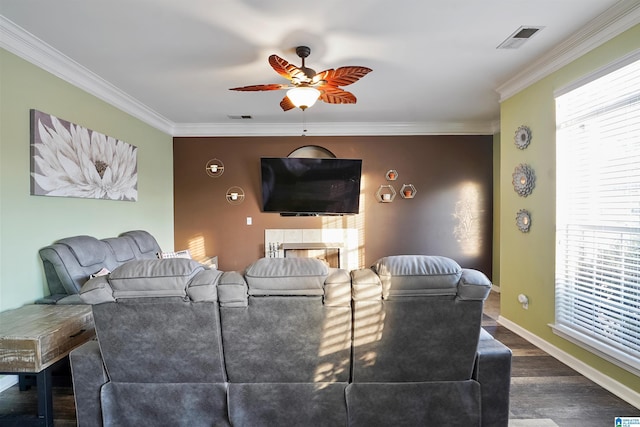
(518, 38)
(239, 116)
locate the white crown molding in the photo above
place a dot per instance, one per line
(25, 45)
(623, 392)
(613, 22)
(332, 129)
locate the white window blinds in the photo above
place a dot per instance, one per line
(598, 215)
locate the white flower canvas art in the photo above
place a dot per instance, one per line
(68, 160)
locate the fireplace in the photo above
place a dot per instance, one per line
(337, 247)
(329, 253)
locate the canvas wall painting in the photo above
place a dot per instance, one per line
(68, 160)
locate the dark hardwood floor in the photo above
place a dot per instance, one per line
(542, 389)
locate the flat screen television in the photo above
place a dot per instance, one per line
(310, 186)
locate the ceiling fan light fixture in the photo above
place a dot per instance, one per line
(303, 97)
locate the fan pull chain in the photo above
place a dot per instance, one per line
(304, 124)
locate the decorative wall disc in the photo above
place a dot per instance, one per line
(523, 220)
(522, 137)
(524, 179)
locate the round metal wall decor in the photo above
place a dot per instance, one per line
(523, 220)
(522, 137)
(524, 179)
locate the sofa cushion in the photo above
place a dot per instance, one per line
(473, 285)
(337, 288)
(121, 248)
(160, 340)
(86, 249)
(290, 339)
(286, 276)
(417, 275)
(232, 290)
(97, 291)
(365, 285)
(203, 286)
(143, 243)
(153, 278)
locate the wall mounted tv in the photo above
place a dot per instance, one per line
(310, 186)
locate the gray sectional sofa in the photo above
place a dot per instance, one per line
(290, 342)
(68, 263)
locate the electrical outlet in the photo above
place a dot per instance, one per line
(249, 220)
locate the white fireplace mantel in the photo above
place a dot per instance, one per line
(276, 241)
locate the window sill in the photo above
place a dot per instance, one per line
(618, 358)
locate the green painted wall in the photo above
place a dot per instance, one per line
(495, 267)
(27, 222)
(527, 259)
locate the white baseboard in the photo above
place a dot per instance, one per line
(495, 288)
(7, 381)
(622, 391)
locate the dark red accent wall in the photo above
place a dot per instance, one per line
(451, 214)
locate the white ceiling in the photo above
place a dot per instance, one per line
(435, 65)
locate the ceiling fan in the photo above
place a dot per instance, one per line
(306, 86)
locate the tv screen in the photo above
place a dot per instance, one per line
(292, 185)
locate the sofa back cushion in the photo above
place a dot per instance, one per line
(121, 249)
(144, 245)
(416, 320)
(160, 340)
(416, 275)
(68, 263)
(153, 278)
(158, 321)
(286, 276)
(294, 326)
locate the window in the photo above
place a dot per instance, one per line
(598, 213)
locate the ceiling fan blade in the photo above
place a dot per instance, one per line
(343, 76)
(286, 104)
(286, 69)
(272, 86)
(335, 95)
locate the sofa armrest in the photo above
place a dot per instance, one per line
(493, 371)
(88, 376)
(51, 299)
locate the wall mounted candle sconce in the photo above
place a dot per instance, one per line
(523, 220)
(408, 191)
(386, 194)
(235, 195)
(524, 179)
(214, 168)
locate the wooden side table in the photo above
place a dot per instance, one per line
(34, 337)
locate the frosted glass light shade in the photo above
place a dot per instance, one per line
(303, 97)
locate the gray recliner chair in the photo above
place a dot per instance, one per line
(417, 324)
(287, 342)
(68, 263)
(158, 357)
